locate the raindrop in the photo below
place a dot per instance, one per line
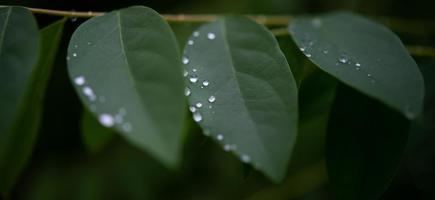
(245, 158)
(106, 120)
(194, 70)
(190, 42)
(193, 78)
(79, 80)
(197, 117)
(358, 68)
(358, 64)
(89, 43)
(308, 55)
(127, 127)
(211, 99)
(74, 55)
(192, 108)
(317, 23)
(220, 137)
(369, 75)
(89, 93)
(185, 60)
(198, 105)
(325, 51)
(185, 73)
(205, 83)
(195, 34)
(227, 147)
(343, 59)
(210, 106)
(211, 36)
(102, 99)
(187, 91)
(76, 46)
(302, 49)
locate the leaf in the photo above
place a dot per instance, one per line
(363, 55)
(242, 92)
(23, 80)
(126, 68)
(95, 136)
(364, 146)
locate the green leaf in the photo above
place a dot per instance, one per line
(365, 144)
(126, 68)
(363, 55)
(242, 92)
(23, 80)
(95, 136)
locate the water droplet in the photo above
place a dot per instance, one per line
(102, 99)
(74, 55)
(198, 105)
(302, 49)
(106, 120)
(122, 111)
(89, 43)
(369, 75)
(227, 147)
(190, 42)
(358, 68)
(194, 70)
(317, 23)
(358, 64)
(195, 34)
(205, 83)
(76, 46)
(89, 93)
(220, 137)
(210, 106)
(211, 99)
(79, 80)
(211, 36)
(185, 60)
(245, 158)
(187, 91)
(67, 58)
(193, 78)
(192, 108)
(325, 51)
(308, 55)
(127, 127)
(197, 117)
(185, 73)
(119, 119)
(343, 59)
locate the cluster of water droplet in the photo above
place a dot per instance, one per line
(105, 119)
(195, 80)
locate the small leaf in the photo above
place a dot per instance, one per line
(363, 55)
(23, 82)
(242, 92)
(95, 136)
(126, 68)
(365, 144)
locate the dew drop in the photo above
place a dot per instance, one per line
(106, 120)
(190, 42)
(308, 55)
(89, 43)
(210, 106)
(211, 36)
(192, 108)
(205, 83)
(127, 127)
(187, 91)
(195, 34)
(325, 51)
(197, 117)
(185, 73)
(89, 93)
(74, 55)
(194, 70)
(198, 105)
(76, 46)
(343, 59)
(211, 99)
(68, 58)
(193, 78)
(302, 49)
(369, 75)
(245, 158)
(358, 64)
(227, 147)
(220, 137)
(357, 68)
(79, 80)
(185, 60)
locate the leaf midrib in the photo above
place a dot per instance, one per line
(227, 46)
(130, 74)
(3, 33)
